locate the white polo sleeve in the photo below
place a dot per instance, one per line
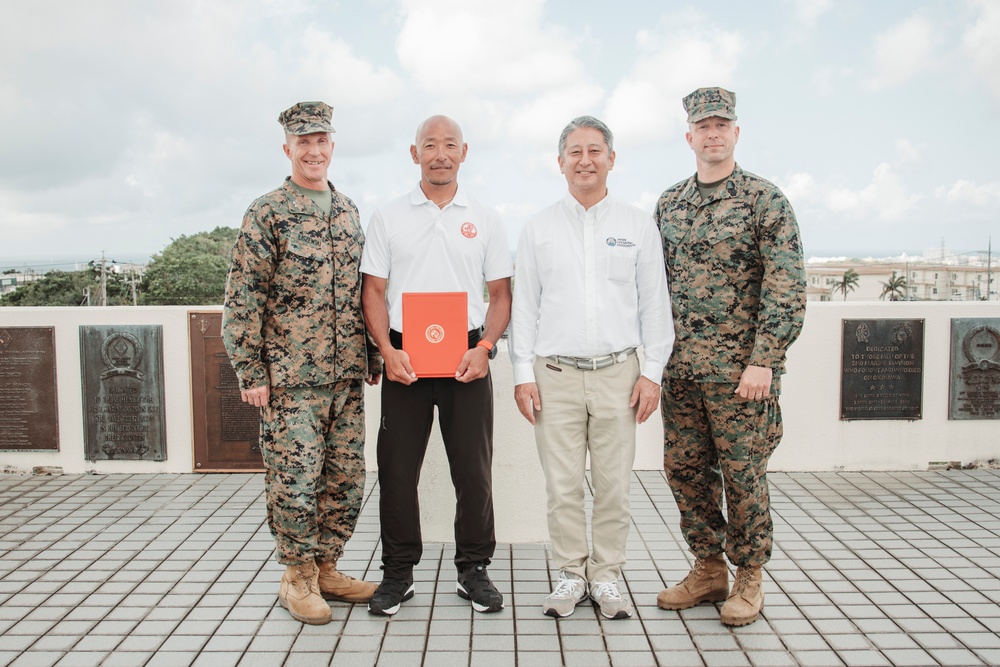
(497, 264)
(375, 260)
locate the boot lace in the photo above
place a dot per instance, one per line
(306, 572)
(743, 581)
(699, 565)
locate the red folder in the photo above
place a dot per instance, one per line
(435, 331)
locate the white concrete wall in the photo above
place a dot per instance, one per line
(176, 386)
(815, 438)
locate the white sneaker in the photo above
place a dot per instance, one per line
(611, 601)
(568, 593)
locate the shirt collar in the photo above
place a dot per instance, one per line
(300, 203)
(692, 194)
(600, 209)
(418, 198)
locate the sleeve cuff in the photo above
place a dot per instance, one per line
(653, 371)
(253, 377)
(523, 373)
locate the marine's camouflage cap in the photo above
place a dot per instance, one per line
(708, 102)
(307, 118)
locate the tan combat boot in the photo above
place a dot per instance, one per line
(299, 594)
(747, 599)
(334, 585)
(708, 581)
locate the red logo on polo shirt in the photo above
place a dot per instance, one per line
(469, 230)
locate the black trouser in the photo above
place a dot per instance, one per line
(465, 416)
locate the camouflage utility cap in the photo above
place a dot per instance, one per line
(708, 102)
(307, 118)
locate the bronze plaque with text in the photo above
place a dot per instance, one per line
(122, 377)
(882, 369)
(974, 391)
(226, 430)
(29, 415)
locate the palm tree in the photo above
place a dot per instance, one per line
(895, 289)
(849, 283)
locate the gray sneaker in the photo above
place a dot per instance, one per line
(568, 593)
(611, 601)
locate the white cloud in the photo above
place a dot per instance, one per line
(647, 201)
(826, 80)
(903, 51)
(908, 153)
(539, 121)
(885, 198)
(965, 192)
(799, 187)
(807, 12)
(23, 225)
(498, 48)
(983, 46)
(328, 64)
(646, 103)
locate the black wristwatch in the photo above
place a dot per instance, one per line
(490, 347)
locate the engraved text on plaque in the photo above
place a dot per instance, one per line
(29, 418)
(226, 430)
(122, 369)
(974, 391)
(882, 369)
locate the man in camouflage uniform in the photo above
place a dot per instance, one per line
(294, 331)
(737, 288)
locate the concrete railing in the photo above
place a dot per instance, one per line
(815, 438)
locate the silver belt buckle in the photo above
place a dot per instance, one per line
(622, 357)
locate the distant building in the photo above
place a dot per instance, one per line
(924, 281)
(11, 281)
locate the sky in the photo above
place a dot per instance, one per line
(124, 125)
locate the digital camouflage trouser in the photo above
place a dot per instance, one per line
(714, 440)
(313, 439)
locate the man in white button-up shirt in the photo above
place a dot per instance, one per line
(589, 289)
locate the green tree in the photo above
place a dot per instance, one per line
(848, 283)
(895, 288)
(191, 271)
(55, 288)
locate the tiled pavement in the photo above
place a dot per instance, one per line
(869, 569)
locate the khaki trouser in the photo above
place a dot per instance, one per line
(587, 412)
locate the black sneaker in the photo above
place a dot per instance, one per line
(389, 595)
(475, 585)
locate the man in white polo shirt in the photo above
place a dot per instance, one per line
(436, 239)
(589, 289)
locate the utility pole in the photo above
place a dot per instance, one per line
(133, 281)
(989, 266)
(102, 294)
(103, 301)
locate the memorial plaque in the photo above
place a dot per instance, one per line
(974, 391)
(123, 406)
(226, 430)
(882, 369)
(29, 415)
